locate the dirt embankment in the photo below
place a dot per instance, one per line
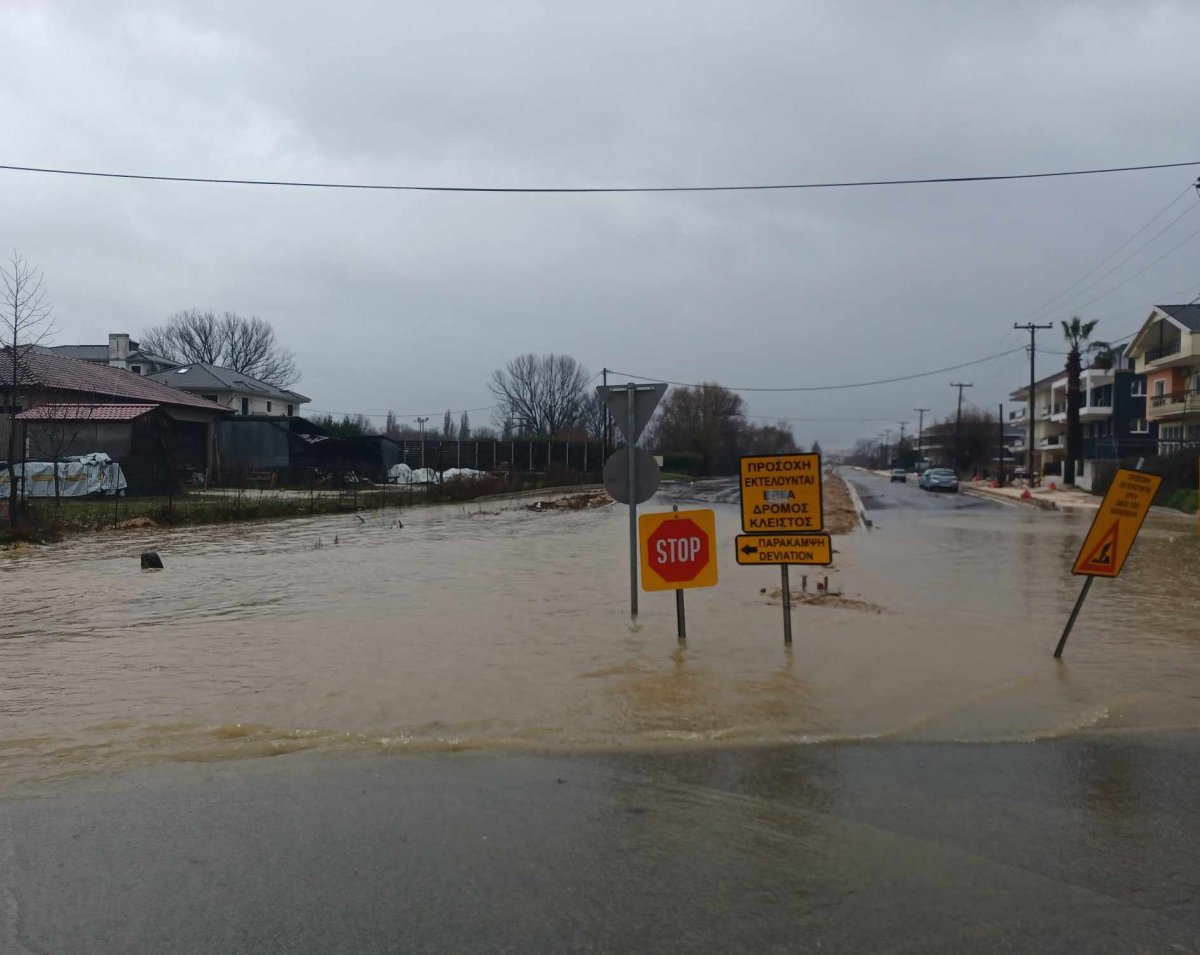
(573, 502)
(838, 508)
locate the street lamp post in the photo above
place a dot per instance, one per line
(421, 422)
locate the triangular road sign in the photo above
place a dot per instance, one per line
(645, 400)
(1103, 557)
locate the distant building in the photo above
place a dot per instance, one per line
(153, 431)
(1167, 350)
(120, 352)
(1112, 414)
(241, 393)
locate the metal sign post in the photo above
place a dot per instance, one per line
(1111, 536)
(680, 617)
(632, 406)
(630, 430)
(787, 605)
(678, 552)
(782, 512)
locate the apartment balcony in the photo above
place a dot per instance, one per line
(1170, 354)
(1052, 442)
(1176, 404)
(1165, 350)
(1094, 410)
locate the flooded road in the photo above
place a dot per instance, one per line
(491, 627)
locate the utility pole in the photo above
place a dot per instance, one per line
(606, 434)
(421, 422)
(900, 443)
(1000, 447)
(1033, 330)
(958, 421)
(887, 446)
(920, 434)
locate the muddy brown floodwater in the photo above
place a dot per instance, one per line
(488, 626)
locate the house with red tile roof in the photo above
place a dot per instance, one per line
(160, 435)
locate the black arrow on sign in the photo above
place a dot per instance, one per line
(747, 549)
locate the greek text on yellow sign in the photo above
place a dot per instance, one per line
(1117, 523)
(757, 549)
(781, 492)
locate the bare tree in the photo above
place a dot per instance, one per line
(448, 426)
(542, 394)
(247, 345)
(26, 319)
(54, 437)
(464, 427)
(706, 421)
(592, 417)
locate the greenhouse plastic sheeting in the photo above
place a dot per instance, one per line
(403, 474)
(77, 477)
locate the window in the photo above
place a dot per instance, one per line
(245, 406)
(1160, 387)
(268, 407)
(1137, 388)
(291, 411)
(210, 398)
(136, 369)
(1139, 426)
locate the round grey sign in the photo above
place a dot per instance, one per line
(616, 475)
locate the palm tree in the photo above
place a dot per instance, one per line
(1076, 332)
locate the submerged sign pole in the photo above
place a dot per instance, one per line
(630, 441)
(1111, 536)
(680, 617)
(782, 516)
(631, 406)
(787, 605)
(1062, 641)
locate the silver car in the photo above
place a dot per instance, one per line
(940, 479)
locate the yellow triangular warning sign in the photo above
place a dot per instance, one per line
(1103, 556)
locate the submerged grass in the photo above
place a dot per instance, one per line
(44, 520)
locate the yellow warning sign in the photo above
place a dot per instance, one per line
(780, 493)
(784, 549)
(1117, 523)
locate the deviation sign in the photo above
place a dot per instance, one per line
(758, 549)
(1117, 523)
(780, 493)
(679, 550)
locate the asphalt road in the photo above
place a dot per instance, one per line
(878, 493)
(1072, 845)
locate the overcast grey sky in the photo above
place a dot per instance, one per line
(409, 300)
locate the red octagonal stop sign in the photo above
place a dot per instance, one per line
(678, 550)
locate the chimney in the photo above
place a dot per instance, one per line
(118, 350)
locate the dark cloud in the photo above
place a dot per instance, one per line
(408, 301)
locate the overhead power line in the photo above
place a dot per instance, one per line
(855, 384)
(388, 187)
(1055, 300)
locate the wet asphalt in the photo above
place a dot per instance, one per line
(1069, 845)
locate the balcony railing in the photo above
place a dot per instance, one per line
(1054, 441)
(1163, 351)
(1176, 399)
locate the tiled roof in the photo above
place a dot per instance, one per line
(1187, 315)
(66, 374)
(81, 352)
(202, 376)
(85, 412)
